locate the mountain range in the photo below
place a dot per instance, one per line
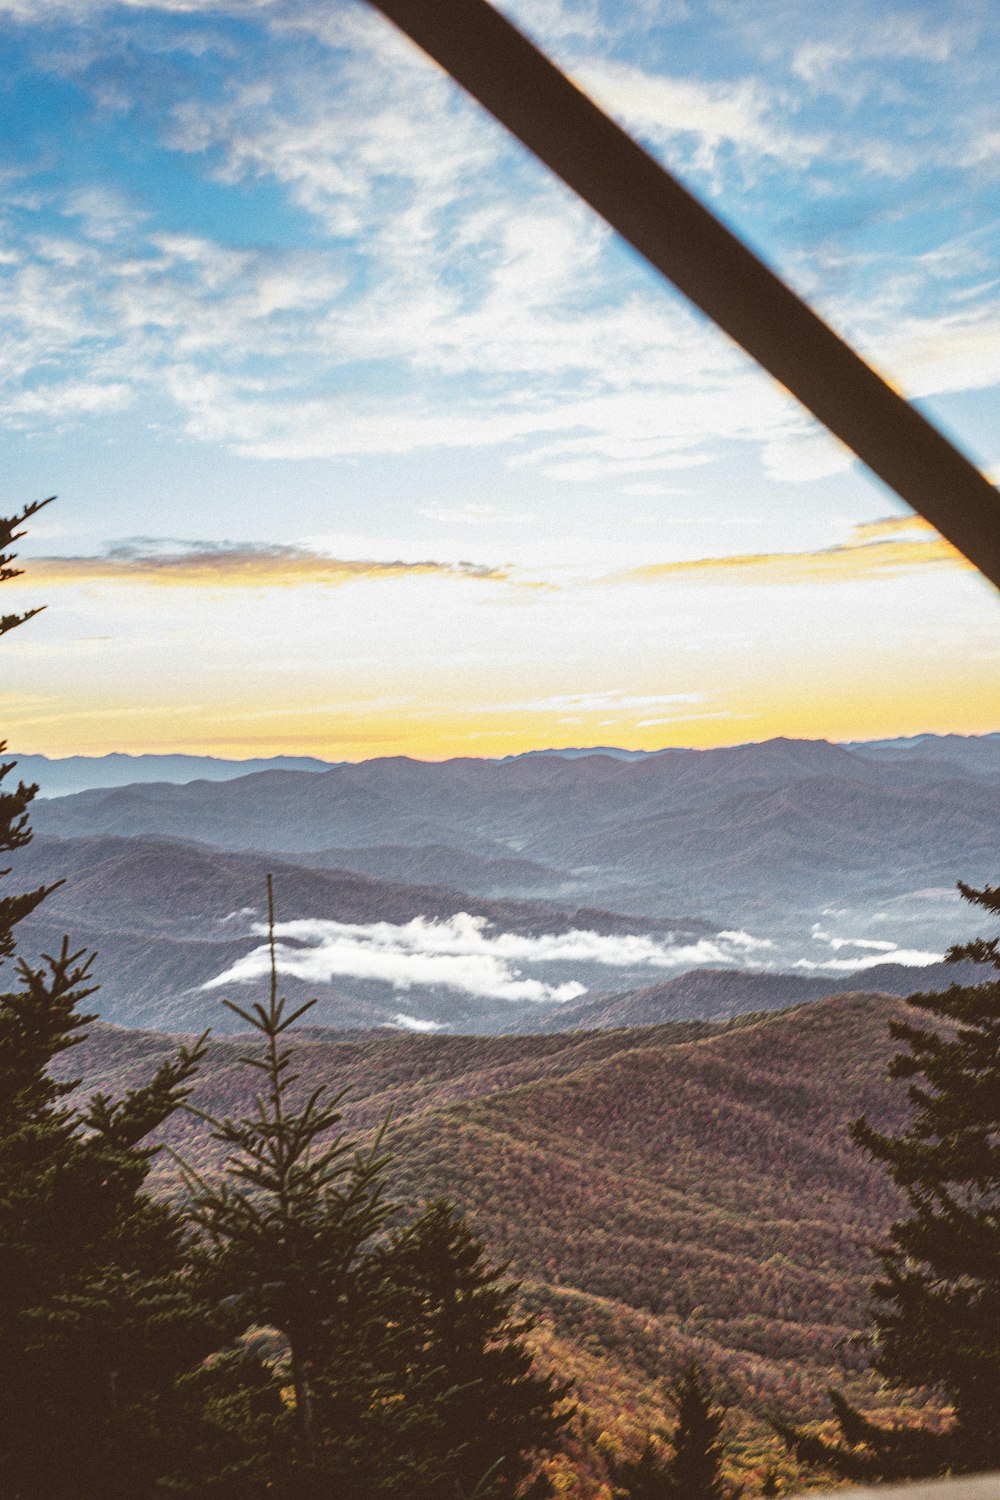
(623, 1008)
(547, 890)
(61, 776)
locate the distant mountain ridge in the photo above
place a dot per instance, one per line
(712, 994)
(168, 916)
(65, 776)
(757, 833)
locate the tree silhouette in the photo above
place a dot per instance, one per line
(98, 1310)
(294, 1207)
(684, 1463)
(936, 1303)
(468, 1349)
(410, 1376)
(15, 832)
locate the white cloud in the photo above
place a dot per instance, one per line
(954, 350)
(744, 114)
(745, 941)
(876, 945)
(402, 1022)
(59, 400)
(982, 150)
(804, 457)
(463, 953)
(890, 37)
(909, 957)
(556, 21)
(875, 950)
(104, 214)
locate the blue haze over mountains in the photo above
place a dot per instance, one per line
(555, 889)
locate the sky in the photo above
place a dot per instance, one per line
(369, 439)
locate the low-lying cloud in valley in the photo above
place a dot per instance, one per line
(863, 953)
(462, 953)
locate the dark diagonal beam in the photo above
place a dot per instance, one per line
(679, 236)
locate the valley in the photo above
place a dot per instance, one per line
(542, 892)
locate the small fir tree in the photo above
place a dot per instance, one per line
(936, 1312)
(686, 1462)
(409, 1376)
(289, 1217)
(469, 1351)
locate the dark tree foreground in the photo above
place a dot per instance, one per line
(409, 1375)
(684, 1463)
(936, 1303)
(99, 1311)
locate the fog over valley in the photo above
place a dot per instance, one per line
(543, 891)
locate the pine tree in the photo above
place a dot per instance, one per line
(469, 1350)
(686, 1463)
(936, 1303)
(696, 1466)
(409, 1375)
(98, 1310)
(287, 1223)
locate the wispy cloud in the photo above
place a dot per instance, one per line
(402, 1022)
(452, 294)
(910, 958)
(874, 549)
(821, 63)
(743, 114)
(610, 700)
(238, 566)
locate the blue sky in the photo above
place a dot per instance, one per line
(368, 437)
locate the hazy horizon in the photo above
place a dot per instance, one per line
(609, 748)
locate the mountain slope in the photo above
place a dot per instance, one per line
(664, 1192)
(718, 994)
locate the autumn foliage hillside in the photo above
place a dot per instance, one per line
(663, 1192)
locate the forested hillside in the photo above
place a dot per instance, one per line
(675, 1190)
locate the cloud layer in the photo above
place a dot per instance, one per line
(224, 565)
(464, 954)
(874, 549)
